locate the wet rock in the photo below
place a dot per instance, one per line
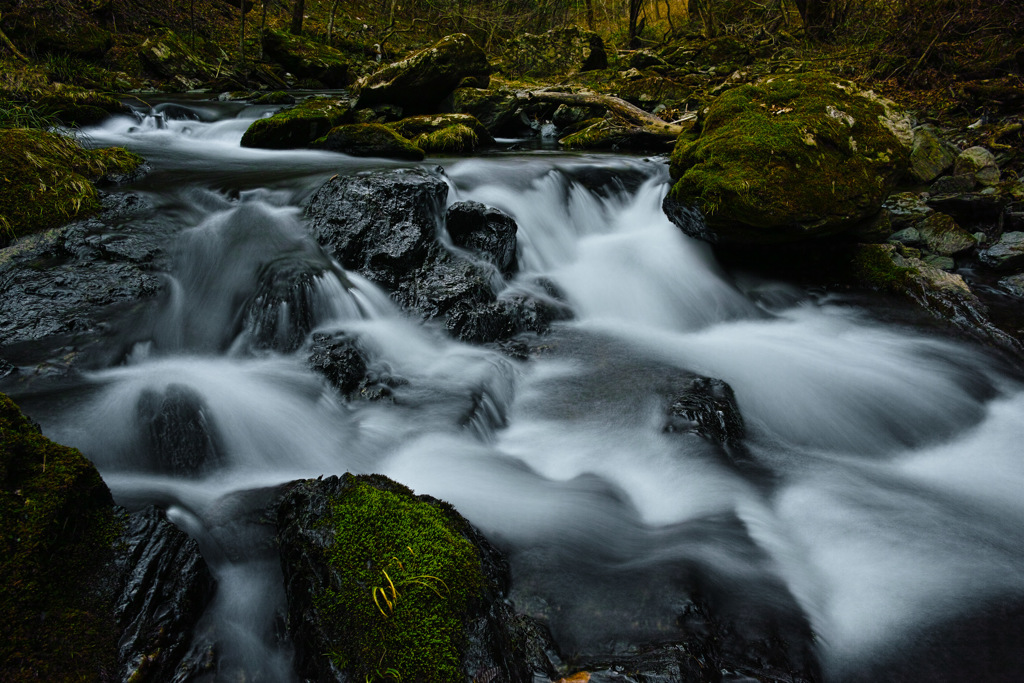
(970, 208)
(497, 110)
(338, 539)
(445, 133)
(931, 156)
(978, 163)
(420, 82)
(368, 140)
(505, 318)
(942, 236)
(178, 433)
(163, 588)
(1014, 284)
(940, 262)
(486, 231)
(308, 60)
(280, 313)
(1006, 254)
(706, 407)
(81, 108)
(945, 296)
(760, 169)
(907, 236)
(298, 126)
(339, 359)
(558, 52)
(380, 224)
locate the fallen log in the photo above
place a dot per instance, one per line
(631, 114)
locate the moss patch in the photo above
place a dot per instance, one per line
(307, 59)
(298, 126)
(789, 158)
(46, 179)
(57, 526)
(369, 140)
(408, 553)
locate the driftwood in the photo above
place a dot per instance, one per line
(632, 115)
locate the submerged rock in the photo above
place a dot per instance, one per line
(707, 407)
(382, 582)
(421, 81)
(788, 159)
(177, 431)
(280, 314)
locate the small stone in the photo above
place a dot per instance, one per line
(1014, 284)
(906, 208)
(943, 237)
(910, 237)
(1007, 253)
(979, 163)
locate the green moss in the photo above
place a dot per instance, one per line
(57, 529)
(455, 139)
(874, 266)
(46, 179)
(307, 59)
(368, 140)
(298, 126)
(384, 536)
(81, 107)
(414, 126)
(799, 154)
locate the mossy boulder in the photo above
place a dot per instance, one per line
(46, 179)
(308, 60)
(444, 133)
(560, 51)
(943, 237)
(57, 525)
(382, 584)
(609, 135)
(368, 140)
(298, 126)
(788, 159)
(497, 109)
(422, 81)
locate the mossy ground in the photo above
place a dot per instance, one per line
(385, 537)
(57, 525)
(46, 179)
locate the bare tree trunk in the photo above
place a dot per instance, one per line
(263, 27)
(330, 22)
(635, 25)
(590, 14)
(298, 12)
(241, 32)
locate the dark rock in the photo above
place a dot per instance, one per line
(1006, 254)
(338, 358)
(444, 281)
(280, 313)
(420, 82)
(276, 97)
(486, 231)
(497, 110)
(560, 51)
(380, 224)
(368, 140)
(760, 171)
(907, 236)
(178, 433)
(970, 208)
(163, 588)
(445, 133)
(505, 318)
(480, 633)
(1014, 284)
(978, 163)
(953, 184)
(706, 407)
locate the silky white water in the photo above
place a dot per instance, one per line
(887, 495)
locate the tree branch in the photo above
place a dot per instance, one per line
(633, 115)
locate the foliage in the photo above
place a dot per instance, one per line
(408, 580)
(57, 528)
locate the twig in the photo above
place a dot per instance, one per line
(930, 45)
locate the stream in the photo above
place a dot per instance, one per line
(883, 502)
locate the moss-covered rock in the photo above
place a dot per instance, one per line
(381, 583)
(57, 526)
(445, 133)
(496, 108)
(298, 126)
(278, 97)
(943, 237)
(368, 140)
(560, 51)
(422, 81)
(788, 159)
(308, 60)
(81, 107)
(46, 179)
(168, 56)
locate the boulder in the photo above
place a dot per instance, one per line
(943, 237)
(906, 209)
(496, 109)
(706, 407)
(486, 231)
(560, 51)
(167, 56)
(177, 431)
(382, 583)
(281, 313)
(506, 318)
(1006, 254)
(308, 60)
(787, 159)
(421, 82)
(1014, 284)
(298, 126)
(978, 163)
(81, 107)
(368, 140)
(931, 156)
(446, 133)
(347, 366)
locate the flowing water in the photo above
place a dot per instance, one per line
(886, 498)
